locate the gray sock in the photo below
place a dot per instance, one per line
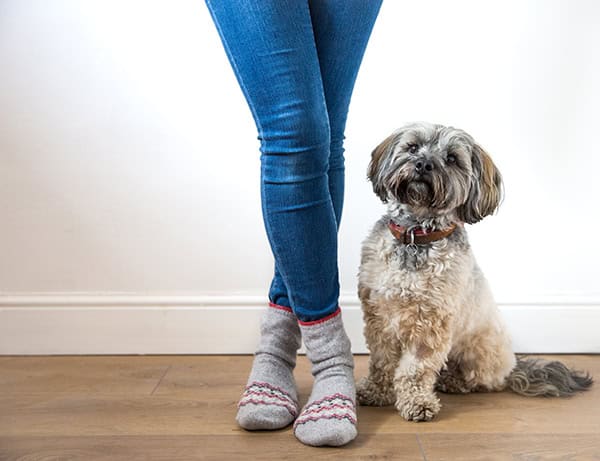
(270, 399)
(329, 417)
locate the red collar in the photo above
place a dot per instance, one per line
(418, 235)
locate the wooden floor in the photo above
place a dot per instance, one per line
(182, 408)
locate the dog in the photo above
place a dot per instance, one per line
(431, 322)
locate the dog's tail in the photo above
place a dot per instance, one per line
(538, 377)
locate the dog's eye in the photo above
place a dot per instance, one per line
(412, 148)
(451, 158)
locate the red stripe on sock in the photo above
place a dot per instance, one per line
(269, 386)
(324, 319)
(335, 406)
(265, 394)
(302, 420)
(331, 397)
(289, 408)
(281, 308)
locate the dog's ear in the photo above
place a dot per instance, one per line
(374, 170)
(486, 190)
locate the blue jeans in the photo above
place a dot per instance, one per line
(296, 62)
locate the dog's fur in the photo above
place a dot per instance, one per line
(430, 319)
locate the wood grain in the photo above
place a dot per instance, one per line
(183, 407)
(530, 447)
(256, 446)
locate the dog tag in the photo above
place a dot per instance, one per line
(412, 249)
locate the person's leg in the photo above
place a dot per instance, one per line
(270, 44)
(341, 30)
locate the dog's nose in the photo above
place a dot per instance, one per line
(423, 165)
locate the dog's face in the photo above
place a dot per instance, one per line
(436, 170)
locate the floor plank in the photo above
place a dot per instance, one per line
(262, 446)
(81, 374)
(525, 447)
(183, 407)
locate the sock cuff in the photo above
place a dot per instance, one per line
(335, 313)
(281, 308)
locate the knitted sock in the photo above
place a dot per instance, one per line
(270, 399)
(329, 417)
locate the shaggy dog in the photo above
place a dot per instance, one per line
(430, 320)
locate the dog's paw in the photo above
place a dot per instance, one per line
(451, 387)
(451, 381)
(369, 394)
(419, 408)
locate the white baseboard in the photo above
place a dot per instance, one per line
(108, 324)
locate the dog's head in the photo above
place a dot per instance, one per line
(436, 170)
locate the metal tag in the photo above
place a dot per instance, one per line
(412, 248)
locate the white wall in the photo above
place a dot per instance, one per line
(129, 162)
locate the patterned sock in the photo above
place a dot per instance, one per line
(270, 399)
(329, 417)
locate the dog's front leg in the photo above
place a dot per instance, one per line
(415, 378)
(377, 389)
